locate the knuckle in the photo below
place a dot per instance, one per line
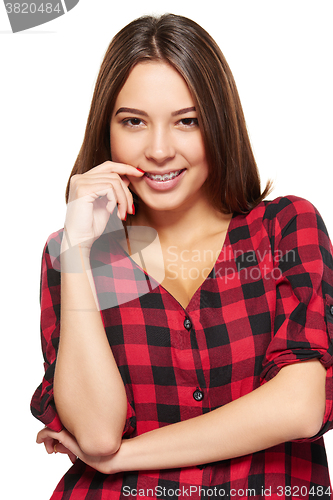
(75, 182)
(115, 182)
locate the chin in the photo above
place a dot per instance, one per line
(168, 205)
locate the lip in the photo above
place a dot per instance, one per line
(164, 185)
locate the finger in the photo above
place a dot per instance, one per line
(114, 188)
(117, 194)
(62, 440)
(49, 438)
(49, 445)
(123, 197)
(117, 183)
(119, 168)
(108, 176)
(72, 457)
(44, 434)
(60, 448)
(106, 200)
(68, 442)
(111, 196)
(96, 178)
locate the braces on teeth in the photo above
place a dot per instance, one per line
(165, 177)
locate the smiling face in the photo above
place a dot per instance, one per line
(154, 127)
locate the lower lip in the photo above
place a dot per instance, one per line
(164, 185)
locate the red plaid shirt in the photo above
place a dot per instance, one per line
(268, 302)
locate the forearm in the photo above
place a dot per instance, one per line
(89, 392)
(290, 406)
(272, 414)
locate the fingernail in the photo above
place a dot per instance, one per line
(133, 209)
(140, 170)
(125, 217)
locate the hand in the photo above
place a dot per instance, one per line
(66, 443)
(53, 445)
(93, 196)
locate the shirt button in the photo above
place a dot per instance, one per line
(331, 310)
(188, 324)
(198, 395)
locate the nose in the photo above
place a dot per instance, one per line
(160, 147)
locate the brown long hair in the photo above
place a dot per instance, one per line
(233, 181)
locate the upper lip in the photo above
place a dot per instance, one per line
(163, 173)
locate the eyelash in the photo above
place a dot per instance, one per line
(195, 120)
(127, 122)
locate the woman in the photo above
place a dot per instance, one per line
(194, 355)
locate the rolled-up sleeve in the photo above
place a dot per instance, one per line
(42, 403)
(303, 327)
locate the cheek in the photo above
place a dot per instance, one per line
(123, 149)
(197, 158)
(195, 150)
(118, 145)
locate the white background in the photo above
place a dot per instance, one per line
(281, 55)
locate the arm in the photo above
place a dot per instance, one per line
(88, 390)
(288, 407)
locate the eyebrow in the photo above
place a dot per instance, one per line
(143, 113)
(183, 111)
(132, 110)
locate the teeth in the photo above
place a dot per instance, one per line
(165, 177)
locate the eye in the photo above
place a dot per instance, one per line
(189, 122)
(132, 122)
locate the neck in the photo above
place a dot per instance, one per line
(183, 224)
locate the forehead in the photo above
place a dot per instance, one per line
(155, 82)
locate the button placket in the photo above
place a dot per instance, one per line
(197, 394)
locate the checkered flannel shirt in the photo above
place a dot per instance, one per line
(267, 302)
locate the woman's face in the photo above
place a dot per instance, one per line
(154, 127)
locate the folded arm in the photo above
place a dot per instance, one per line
(88, 390)
(288, 407)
